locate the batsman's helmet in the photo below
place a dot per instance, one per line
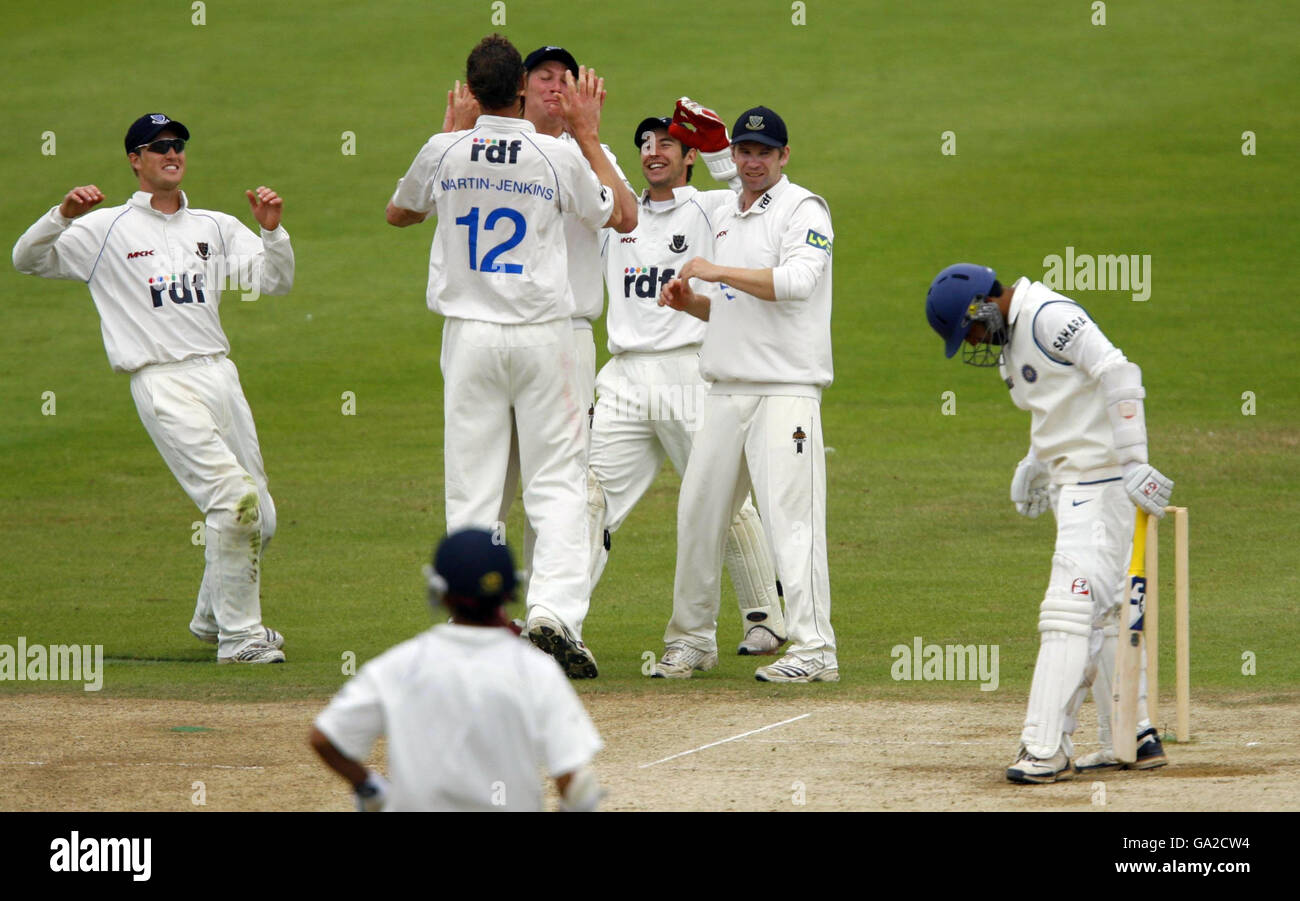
(949, 301)
(472, 573)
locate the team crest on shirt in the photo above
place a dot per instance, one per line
(1080, 586)
(1030, 374)
(204, 253)
(799, 437)
(678, 244)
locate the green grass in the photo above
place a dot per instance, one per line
(1117, 139)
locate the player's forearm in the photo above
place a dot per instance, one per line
(36, 252)
(402, 217)
(623, 217)
(754, 282)
(697, 305)
(277, 262)
(346, 767)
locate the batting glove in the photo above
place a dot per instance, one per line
(1148, 488)
(1029, 488)
(372, 794)
(698, 127)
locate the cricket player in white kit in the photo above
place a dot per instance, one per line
(1087, 461)
(501, 193)
(650, 391)
(544, 107)
(767, 355)
(470, 712)
(155, 267)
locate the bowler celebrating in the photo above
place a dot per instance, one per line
(154, 267)
(497, 272)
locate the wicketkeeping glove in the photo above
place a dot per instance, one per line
(372, 794)
(1029, 488)
(1148, 488)
(698, 127)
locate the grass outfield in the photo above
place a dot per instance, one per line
(1123, 138)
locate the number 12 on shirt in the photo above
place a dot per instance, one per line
(489, 262)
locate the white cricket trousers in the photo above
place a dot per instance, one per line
(197, 416)
(499, 378)
(773, 446)
(1088, 583)
(584, 350)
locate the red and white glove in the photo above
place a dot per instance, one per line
(699, 127)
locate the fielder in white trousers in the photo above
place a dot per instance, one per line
(770, 445)
(500, 379)
(199, 420)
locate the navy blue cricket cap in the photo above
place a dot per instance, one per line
(650, 123)
(762, 125)
(474, 565)
(147, 127)
(546, 54)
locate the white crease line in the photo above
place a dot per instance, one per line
(83, 766)
(714, 744)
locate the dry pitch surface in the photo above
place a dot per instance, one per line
(674, 752)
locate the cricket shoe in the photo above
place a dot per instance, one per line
(270, 636)
(680, 660)
(555, 639)
(255, 652)
(1150, 754)
(1032, 770)
(796, 669)
(760, 641)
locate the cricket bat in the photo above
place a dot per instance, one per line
(1128, 656)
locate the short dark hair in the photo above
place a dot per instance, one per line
(494, 72)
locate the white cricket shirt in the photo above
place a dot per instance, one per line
(470, 714)
(500, 192)
(1053, 364)
(639, 264)
(156, 278)
(583, 245)
(754, 346)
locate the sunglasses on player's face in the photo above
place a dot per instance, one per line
(162, 146)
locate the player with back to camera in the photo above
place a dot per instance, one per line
(501, 193)
(1087, 462)
(651, 390)
(154, 266)
(767, 355)
(470, 712)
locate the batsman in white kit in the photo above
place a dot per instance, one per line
(767, 357)
(501, 193)
(651, 392)
(470, 712)
(1087, 462)
(155, 269)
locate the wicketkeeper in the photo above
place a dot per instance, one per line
(1087, 462)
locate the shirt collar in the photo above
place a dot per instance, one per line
(504, 123)
(680, 195)
(1020, 295)
(142, 200)
(762, 204)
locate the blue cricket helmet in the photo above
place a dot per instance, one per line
(949, 300)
